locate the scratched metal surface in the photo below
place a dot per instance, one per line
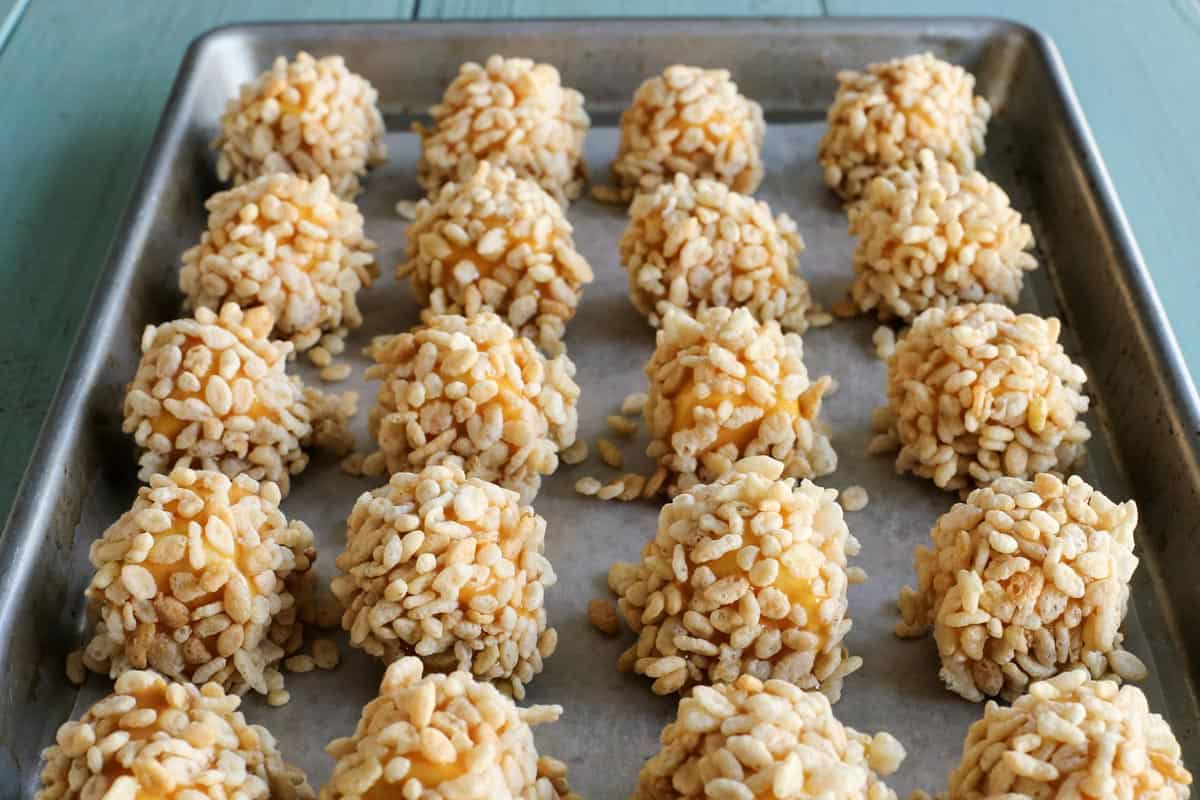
(85, 473)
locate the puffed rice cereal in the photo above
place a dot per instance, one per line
(1072, 737)
(198, 580)
(692, 121)
(289, 244)
(1023, 581)
(754, 739)
(884, 116)
(468, 390)
(513, 113)
(933, 236)
(154, 739)
(744, 576)
(444, 737)
(450, 569)
(724, 386)
(308, 117)
(977, 392)
(691, 245)
(498, 242)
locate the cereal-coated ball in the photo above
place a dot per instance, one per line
(467, 390)
(450, 569)
(1024, 580)
(696, 244)
(934, 237)
(198, 580)
(289, 244)
(444, 737)
(977, 392)
(692, 121)
(754, 739)
(211, 392)
(511, 112)
(884, 116)
(724, 386)
(154, 739)
(308, 117)
(499, 242)
(744, 576)
(1072, 737)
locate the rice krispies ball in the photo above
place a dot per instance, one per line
(513, 113)
(289, 244)
(723, 386)
(450, 569)
(933, 236)
(977, 392)
(444, 737)
(884, 116)
(1072, 737)
(198, 580)
(755, 739)
(307, 117)
(745, 576)
(467, 390)
(692, 121)
(153, 739)
(211, 392)
(498, 242)
(1025, 580)
(692, 245)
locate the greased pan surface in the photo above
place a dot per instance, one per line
(1144, 415)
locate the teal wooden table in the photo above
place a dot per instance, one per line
(81, 90)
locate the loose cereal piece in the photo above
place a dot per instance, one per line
(153, 739)
(211, 392)
(603, 616)
(512, 113)
(723, 386)
(610, 454)
(576, 453)
(854, 498)
(694, 245)
(308, 117)
(300, 663)
(977, 392)
(633, 403)
(76, 670)
(1025, 580)
(467, 390)
(934, 237)
(587, 485)
(288, 244)
(745, 576)
(884, 339)
(199, 582)
(1071, 737)
(449, 736)
(692, 121)
(622, 425)
(448, 568)
(886, 115)
(498, 242)
(326, 654)
(771, 739)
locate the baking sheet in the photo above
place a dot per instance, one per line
(611, 721)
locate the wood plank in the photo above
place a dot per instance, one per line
(1134, 66)
(508, 9)
(81, 95)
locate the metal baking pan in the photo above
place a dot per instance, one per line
(1146, 415)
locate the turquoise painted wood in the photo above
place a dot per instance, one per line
(81, 91)
(80, 96)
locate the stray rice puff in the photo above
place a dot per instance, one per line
(744, 576)
(450, 569)
(152, 739)
(200, 581)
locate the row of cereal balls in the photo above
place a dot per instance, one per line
(234, 597)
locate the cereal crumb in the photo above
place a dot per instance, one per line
(320, 357)
(325, 653)
(884, 339)
(587, 485)
(844, 309)
(611, 490)
(633, 486)
(336, 372)
(76, 673)
(353, 464)
(576, 453)
(603, 616)
(654, 483)
(633, 403)
(622, 425)
(278, 697)
(610, 454)
(854, 498)
(856, 575)
(603, 193)
(375, 464)
(407, 209)
(820, 319)
(300, 663)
